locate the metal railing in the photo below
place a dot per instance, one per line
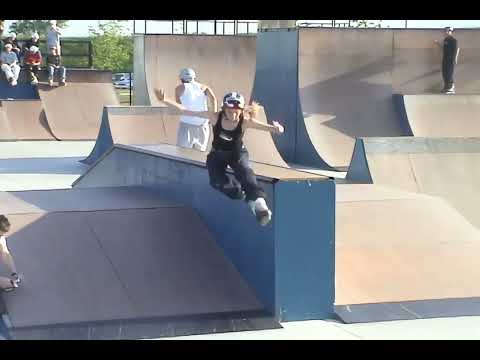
(76, 54)
(327, 23)
(194, 27)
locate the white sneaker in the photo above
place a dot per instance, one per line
(261, 211)
(14, 82)
(34, 82)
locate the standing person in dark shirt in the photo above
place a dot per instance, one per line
(450, 59)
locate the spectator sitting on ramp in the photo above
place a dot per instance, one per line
(32, 61)
(10, 66)
(450, 59)
(229, 126)
(193, 132)
(33, 41)
(12, 282)
(12, 39)
(54, 62)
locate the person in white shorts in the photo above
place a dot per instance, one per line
(193, 132)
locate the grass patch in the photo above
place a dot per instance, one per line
(123, 96)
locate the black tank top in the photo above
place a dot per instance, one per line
(227, 140)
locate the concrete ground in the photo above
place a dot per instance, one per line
(39, 165)
(459, 328)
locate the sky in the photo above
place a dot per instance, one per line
(80, 27)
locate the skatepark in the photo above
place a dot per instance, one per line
(374, 189)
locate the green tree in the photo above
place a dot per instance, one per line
(24, 28)
(112, 49)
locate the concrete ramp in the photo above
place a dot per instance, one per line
(226, 63)
(21, 91)
(421, 266)
(23, 120)
(120, 264)
(444, 167)
(334, 86)
(74, 112)
(441, 115)
(156, 125)
(331, 90)
(345, 89)
(274, 266)
(133, 125)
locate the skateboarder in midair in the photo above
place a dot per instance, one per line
(12, 282)
(194, 132)
(229, 125)
(449, 60)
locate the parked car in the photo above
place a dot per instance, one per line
(123, 84)
(122, 81)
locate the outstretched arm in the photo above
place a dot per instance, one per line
(178, 93)
(6, 257)
(276, 128)
(160, 94)
(211, 95)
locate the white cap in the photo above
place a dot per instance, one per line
(8, 46)
(187, 74)
(33, 49)
(52, 22)
(35, 35)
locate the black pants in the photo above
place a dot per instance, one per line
(31, 70)
(244, 178)
(448, 67)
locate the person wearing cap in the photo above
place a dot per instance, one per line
(12, 39)
(32, 62)
(194, 131)
(229, 125)
(449, 60)
(53, 36)
(33, 41)
(54, 63)
(10, 65)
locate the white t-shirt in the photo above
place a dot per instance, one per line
(194, 99)
(3, 242)
(53, 38)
